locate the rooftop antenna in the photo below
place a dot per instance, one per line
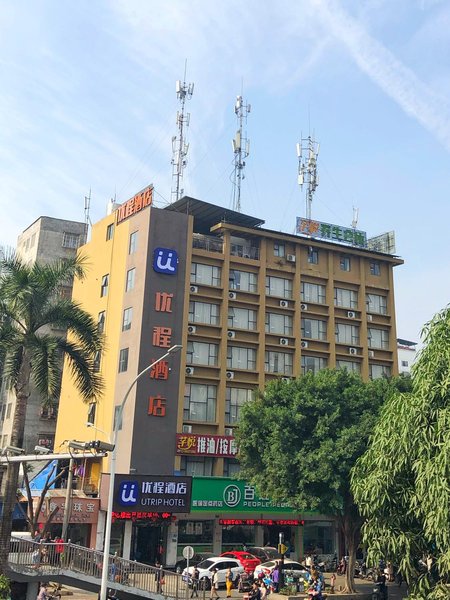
(241, 149)
(307, 152)
(355, 217)
(179, 147)
(87, 215)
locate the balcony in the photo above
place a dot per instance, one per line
(207, 242)
(244, 251)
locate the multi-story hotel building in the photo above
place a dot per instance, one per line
(248, 305)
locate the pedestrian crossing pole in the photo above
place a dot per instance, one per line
(282, 550)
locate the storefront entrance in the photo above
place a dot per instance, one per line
(147, 543)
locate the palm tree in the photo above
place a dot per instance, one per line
(31, 300)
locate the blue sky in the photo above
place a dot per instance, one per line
(88, 101)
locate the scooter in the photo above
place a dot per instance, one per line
(379, 591)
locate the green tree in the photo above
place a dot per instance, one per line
(299, 440)
(31, 300)
(402, 482)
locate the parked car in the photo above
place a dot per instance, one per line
(198, 557)
(292, 567)
(206, 567)
(247, 560)
(264, 553)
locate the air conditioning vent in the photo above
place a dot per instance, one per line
(231, 335)
(370, 317)
(186, 429)
(232, 295)
(192, 328)
(193, 289)
(351, 314)
(290, 257)
(371, 353)
(230, 374)
(284, 304)
(353, 351)
(229, 431)
(284, 341)
(189, 370)
(304, 306)
(303, 344)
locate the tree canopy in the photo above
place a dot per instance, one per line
(402, 482)
(299, 440)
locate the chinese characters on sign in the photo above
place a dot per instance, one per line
(84, 510)
(282, 522)
(206, 445)
(172, 494)
(333, 233)
(138, 516)
(135, 204)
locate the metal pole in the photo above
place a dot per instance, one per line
(108, 520)
(68, 504)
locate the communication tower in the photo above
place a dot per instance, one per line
(179, 146)
(241, 149)
(307, 152)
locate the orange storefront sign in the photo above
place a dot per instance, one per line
(134, 205)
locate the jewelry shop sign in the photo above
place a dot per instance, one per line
(170, 494)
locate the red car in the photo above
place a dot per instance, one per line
(248, 561)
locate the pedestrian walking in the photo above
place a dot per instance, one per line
(42, 595)
(194, 582)
(229, 581)
(276, 577)
(332, 583)
(214, 584)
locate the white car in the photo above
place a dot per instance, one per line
(292, 567)
(206, 567)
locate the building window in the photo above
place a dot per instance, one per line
(313, 256)
(279, 250)
(347, 334)
(344, 263)
(375, 267)
(101, 321)
(241, 358)
(313, 292)
(231, 467)
(203, 312)
(133, 242)
(205, 274)
(312, 364)
(47, 440)
(276, 323)
(8, 410)
(109, 231)
(123, 360)
(378, 338)
(376, 304)
(129, 285)
(378, 371)
(278, 286)
(97, 361)
(71, 240)
(345, 298)
(244, 281)
(242, 318)
(235, 398)
(314, 329)
(405, 363)
(127, 318)
(278, 362)
(200, 403)
(92, 409)
(202, 353)
(350, 365)
(197, 466)
(104, 286)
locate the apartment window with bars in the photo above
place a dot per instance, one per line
(278, 286)
(241, 318)
(243, 280)
(378, 338)
(104, 286)
(203, 312)
(131, 276)
(378, 371)
(132, 246)
(235, 398)
(345, 298)
(376, 304)
(202, 353)
(200, 402)
(347, 334)
(350, 365)
(276, 323)
(313, 292)
(70, 240)
(205, 274)
(278, 362)
(127, 318)
(312, 364)
(314, 329)
(123, 360)
(241, 358)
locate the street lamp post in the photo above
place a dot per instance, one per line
(117, 422)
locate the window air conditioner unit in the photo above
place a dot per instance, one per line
(371, 353)
(304, 306)
(193, 289)
(284, 303)
(369, 317)
(228, 431)
(230, 374)
(186, 429)
(285, 379)
(290, 257)
(284, 341)
(353, 351)
(351, 314)
(192, 328)
(231, 335)
(232, 295)
(189, 370)
(303, 344)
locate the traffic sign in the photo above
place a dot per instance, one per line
(188, 552)
(282, 548)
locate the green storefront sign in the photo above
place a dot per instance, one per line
(210, 494)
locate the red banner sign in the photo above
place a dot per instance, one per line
(206, 445)
(261, 522)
